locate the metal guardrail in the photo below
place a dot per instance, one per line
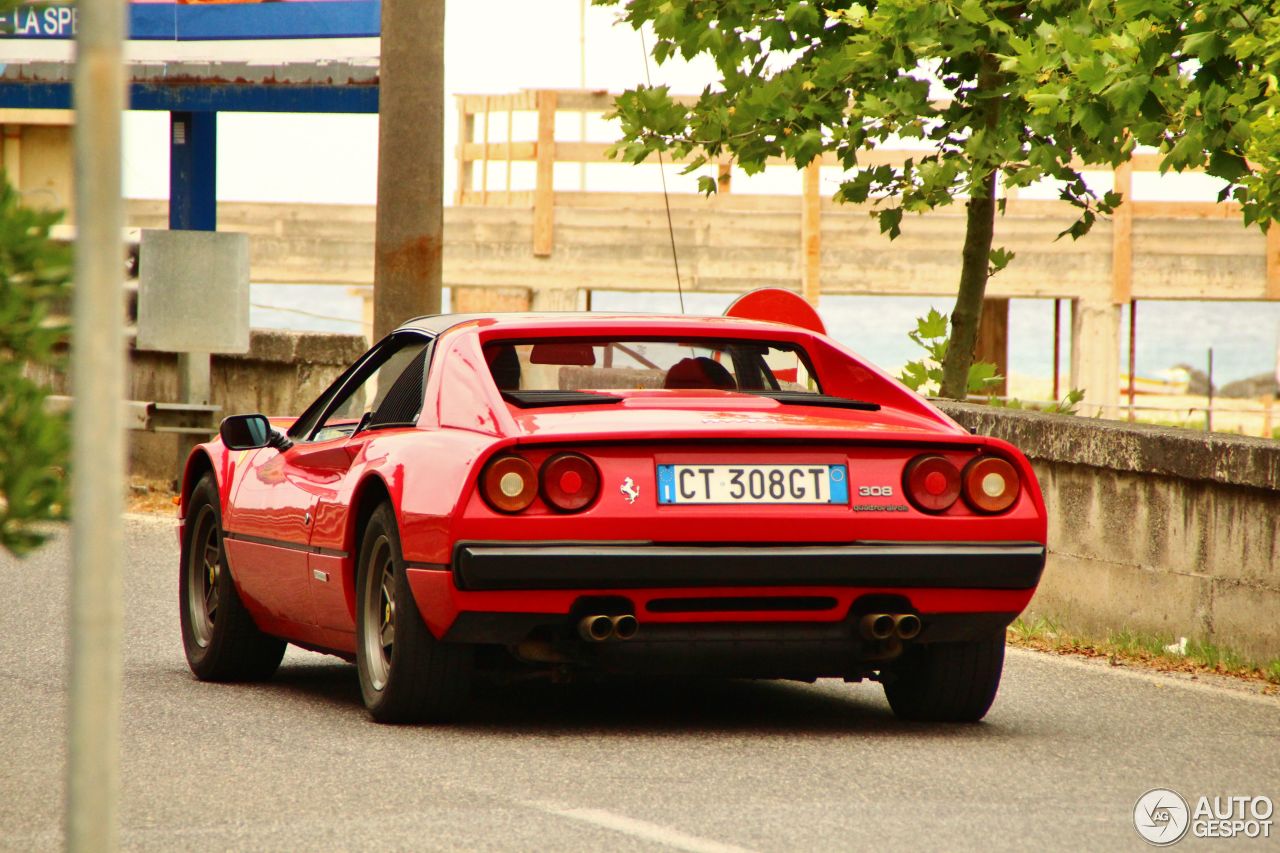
(146, 416)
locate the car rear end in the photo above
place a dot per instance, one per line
(802, 558)
(700, 496)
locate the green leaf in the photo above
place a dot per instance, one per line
(982, 375)
(890, 221)
(1228, 165)
(1204, 46)
(999, 259)
(914, 375)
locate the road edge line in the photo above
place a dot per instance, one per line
(1156, 677)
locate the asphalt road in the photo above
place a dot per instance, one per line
(296, 765)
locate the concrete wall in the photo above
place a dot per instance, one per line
(1152, 529)
(280, 375)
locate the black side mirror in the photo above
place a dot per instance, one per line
(248, 432)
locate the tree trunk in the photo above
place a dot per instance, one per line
(980, 226)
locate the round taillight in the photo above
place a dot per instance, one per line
(932, 483)
(570, 482)
(990, 484)
(509, 483)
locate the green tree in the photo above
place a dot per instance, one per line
(990, 91)
(34, 442)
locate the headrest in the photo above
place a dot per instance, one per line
(700, 372)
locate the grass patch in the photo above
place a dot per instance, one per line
(1151, 650)
(1193, 422)
(150, 496)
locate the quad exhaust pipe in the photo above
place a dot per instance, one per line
(906, 626)
(887, 626)
(625, 626)
(599, 627)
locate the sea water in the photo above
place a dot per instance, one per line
(1243, 335)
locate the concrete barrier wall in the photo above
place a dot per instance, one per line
(1157, 530)
(282, 373)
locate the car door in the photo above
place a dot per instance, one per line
(390, 397)
(270, 522)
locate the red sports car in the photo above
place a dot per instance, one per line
(619, 494)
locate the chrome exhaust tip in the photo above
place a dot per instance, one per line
(907, 626)
(595, 629)
(876, 626)
(625, 626)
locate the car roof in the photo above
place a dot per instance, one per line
(436, 324)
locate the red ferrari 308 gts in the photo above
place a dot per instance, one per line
(617, 494)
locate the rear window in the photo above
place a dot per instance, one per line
(566, 364)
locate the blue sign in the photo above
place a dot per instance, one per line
(166, 20)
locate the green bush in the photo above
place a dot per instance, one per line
(34, 443)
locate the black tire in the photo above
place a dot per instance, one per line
(406, 675)
(945, 682)
(218, 634)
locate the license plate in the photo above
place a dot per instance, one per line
(753, 484)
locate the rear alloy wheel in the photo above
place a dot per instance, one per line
(406, 675)
(945, 682)
(219, 636)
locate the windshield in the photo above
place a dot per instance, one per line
(567, 364)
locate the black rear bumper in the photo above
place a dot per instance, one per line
(486, 566)
(803, 650)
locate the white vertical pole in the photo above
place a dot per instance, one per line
(97, 456)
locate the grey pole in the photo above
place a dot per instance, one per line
(97, 455)
(410, 229)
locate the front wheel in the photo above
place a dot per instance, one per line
(945, 682)
(219, 636)
(406, 675)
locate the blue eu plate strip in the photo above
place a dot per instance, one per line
(839, 484)
(666, 484)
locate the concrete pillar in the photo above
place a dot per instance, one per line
(193, 171)
(993, 340)
(38, 161)
(410, 228)
(11, 156)
(1095, 354)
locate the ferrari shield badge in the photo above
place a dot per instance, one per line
(629, 490)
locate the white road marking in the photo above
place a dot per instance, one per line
(1155, 677)
(641, 829)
